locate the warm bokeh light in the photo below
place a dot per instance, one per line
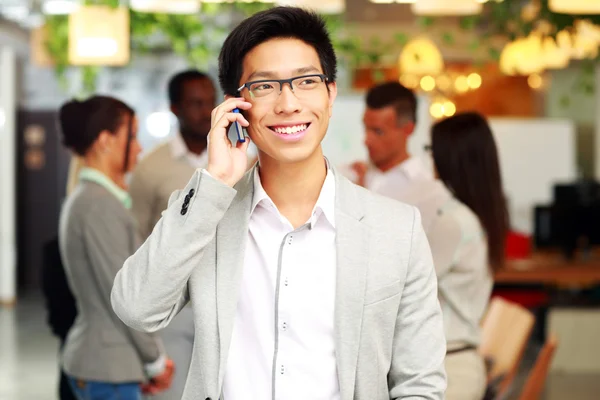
(474, 80)
(449, 109)
(535, 81)
(420, 57)
(436, 110)
(427, 83)
(461, 84)
(410, 81)
(442, 108)
(447, 7)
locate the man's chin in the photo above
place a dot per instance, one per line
(199, 136)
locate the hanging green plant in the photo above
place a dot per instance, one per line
(197, 38)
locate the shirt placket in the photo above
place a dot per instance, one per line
(288, 260)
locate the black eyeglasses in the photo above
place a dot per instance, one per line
(266, 89)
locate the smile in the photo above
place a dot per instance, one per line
(289, 129)
(290, 132)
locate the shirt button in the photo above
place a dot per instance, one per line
(282, 370)
(284, 326)
(285, 283)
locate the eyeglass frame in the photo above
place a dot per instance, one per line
(324, 79)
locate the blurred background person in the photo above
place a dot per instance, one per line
(59, 301)
(170, 165)
(465, 218)
(389, 121)
(167, 168)
(101, 356)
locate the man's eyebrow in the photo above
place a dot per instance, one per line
(272, 75)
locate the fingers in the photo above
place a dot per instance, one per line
(220, 127)
(228, 105)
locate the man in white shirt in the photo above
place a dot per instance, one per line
(389, 120)
(165, 169)
(303, 285)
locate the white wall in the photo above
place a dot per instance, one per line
(534, 153)
(8, 242)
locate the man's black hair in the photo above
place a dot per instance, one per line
(276, 22)
(178, 81)
(394, 94)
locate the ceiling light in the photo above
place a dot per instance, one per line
(447, 7)
(166, 6)
(575, 6)
(59, 7)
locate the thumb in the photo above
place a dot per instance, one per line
(243, 146)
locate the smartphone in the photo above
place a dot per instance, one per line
(238, 128)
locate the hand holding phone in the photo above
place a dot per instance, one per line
(228, 161)
(238, 128)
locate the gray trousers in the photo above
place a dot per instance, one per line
(178, 339)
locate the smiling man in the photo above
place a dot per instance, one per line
(303, 285)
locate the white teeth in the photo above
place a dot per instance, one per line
(290, 130)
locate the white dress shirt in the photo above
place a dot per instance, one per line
(282, 345)
(179, 150)
(460, 254)
(395, 182)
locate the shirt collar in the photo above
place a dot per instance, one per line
(413, 167)
(93, 175)
(180, 150)
(178, 146)
(325, 202)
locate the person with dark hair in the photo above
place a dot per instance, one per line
(170, 165)
(389, 120)
(60, 303)
(103, 358)
(167, 168)
(466, 221)
(303, 285)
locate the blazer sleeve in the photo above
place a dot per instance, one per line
(143, 199)
(417, 368)
(108, 243)
(151, 288)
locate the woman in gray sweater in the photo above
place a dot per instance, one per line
(103, 358)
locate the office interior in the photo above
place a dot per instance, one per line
(531, 67)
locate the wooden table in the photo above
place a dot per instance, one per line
(551, 269)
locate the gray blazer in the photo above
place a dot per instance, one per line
(389, 332)
(97, 234)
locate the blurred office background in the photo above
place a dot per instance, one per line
(530, 66)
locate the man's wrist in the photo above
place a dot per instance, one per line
(216, 177)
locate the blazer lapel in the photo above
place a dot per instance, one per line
(231, 237)
(352, 238)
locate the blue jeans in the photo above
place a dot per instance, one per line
(90, 390)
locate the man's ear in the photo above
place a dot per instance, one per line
(408, 128)
(332, 95)
(174, 110)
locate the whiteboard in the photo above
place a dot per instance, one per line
(534, 154)
(343, 143)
